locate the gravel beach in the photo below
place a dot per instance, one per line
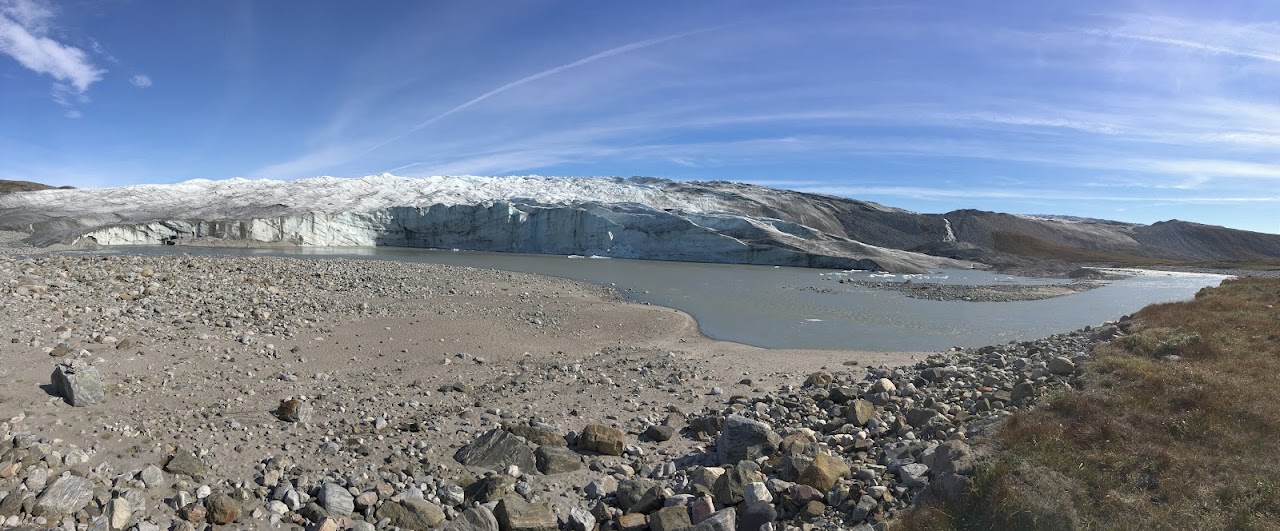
(267, 392)
(397, 366)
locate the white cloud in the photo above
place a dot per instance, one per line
(944, 194)
(1247, 40)
(24, 37)
(29, 13)
(73, 114)
(140, 81)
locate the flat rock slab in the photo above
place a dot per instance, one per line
(515, 514)
(496, 449)
(412, 513)
(541, 435)
(478, 518)
(184, 462)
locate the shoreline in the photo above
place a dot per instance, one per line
(196, 352)
(398, 368)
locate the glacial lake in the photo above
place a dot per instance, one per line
(787, 307)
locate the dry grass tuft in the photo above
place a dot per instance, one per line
(1177, 428)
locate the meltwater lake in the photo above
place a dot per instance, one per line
(787, 307)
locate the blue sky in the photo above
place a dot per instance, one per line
(1138, 111)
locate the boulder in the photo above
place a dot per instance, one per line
(632, 491)
(581, 520)
(515, 514)
(294, 410)
(755, 516)
(660, 433)
(1022, 392)
(184, 462)
(670, 518)
(632, 522)
(1061, 366)
(78, 383)
(556, 460)
(883, 385)
(496, 449)
(860, 412)
(602, 439)
(818, 379)
(65, 496)
(336, 500)
(722, 520)
(478, 518)
(490, 488)
(823, 472)
(913, 475)
(411, 513)
(222, 508)
(729, 487)
(954, 457)
(539, 434)
(745, 439)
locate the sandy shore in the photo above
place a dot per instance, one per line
(197, 353)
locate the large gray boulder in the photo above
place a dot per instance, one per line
(336, 500)
(65, 496)
(496, 449)
(745, 439)
(78, 382)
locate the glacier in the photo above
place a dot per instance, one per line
(642, 218)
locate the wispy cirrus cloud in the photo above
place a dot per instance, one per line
(1246, 40)
(24, 36)
(1164, 108)
(936, 193)
(343, 152)
(140, 81)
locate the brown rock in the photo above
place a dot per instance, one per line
(632, 522)
(193, 512)
(294, 410)
(540, 435)
(824, 472)
(603, 439)
(412, 513)
(222, 509)
(670, 518)
(861, 412)
(515, 514)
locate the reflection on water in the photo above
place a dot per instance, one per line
(771, 307)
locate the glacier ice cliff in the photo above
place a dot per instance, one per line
(626, 218)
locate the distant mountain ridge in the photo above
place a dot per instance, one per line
(640, 217)
(8, 187)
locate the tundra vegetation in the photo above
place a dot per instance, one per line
(1175, 428)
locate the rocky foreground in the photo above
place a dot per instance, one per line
(176, 392)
